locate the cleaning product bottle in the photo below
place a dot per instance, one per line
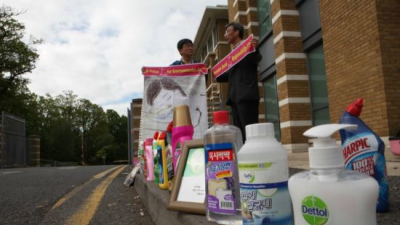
(162, 162)
(149, 159)
(155, 158)
(363, 151)
(263, 175)
(140, 156)
(168, 151)
(181, 131)
(222, 142)
(329, 194)
(144, 159)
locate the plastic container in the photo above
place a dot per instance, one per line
(155, 158)
(141, 157)
(222, 142)
(395, 144)
(363, 151)
(162, 162)
(181, 131)
(263, 175)
(329, 194)
(169, 158)
(149, 159)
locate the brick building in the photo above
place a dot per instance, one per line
(318, 57)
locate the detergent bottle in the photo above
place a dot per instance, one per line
(363, 151)
(149, 159)
(329, 194)
(168, 151)
(182, 130)
(155, 158)
(162, 162)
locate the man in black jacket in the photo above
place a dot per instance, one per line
(243, 94)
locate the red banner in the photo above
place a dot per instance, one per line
(234, 57)
(181, 70)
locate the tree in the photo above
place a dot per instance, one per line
(16, 57)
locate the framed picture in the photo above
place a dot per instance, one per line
(188, 193)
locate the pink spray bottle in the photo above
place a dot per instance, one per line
(148, 148)
(181, 131)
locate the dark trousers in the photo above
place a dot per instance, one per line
(244, 113)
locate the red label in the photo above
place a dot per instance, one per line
(220, 155)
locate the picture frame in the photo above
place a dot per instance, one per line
(190, 178)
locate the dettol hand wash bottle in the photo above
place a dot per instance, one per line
(363, 151)
(328, 194)
(263, 175)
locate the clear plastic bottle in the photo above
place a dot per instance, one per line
(264, 174)
(222, 142)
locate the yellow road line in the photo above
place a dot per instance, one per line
(77, 189)
(89, 208)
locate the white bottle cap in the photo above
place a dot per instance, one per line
(260, 130)
(325, 153)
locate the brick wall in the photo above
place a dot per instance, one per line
(353, 58)
(293, 94)
(388, 14)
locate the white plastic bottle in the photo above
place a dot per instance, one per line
(328, 194)
(263, 175)
(222, 142)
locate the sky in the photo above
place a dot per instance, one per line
(96, 48)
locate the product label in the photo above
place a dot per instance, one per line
(264, 193)
(359, 151)
(170, 166)
(314, 210)
(220, 182)
(160, 165)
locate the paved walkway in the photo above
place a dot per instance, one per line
(299, 160)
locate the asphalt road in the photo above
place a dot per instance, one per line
(69, 195)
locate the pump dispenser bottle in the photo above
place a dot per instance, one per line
(222, 142)
(329, 194)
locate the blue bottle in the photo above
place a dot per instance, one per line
(363, 151)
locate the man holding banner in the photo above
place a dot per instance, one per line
(240, 69)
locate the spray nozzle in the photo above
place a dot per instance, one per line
(325, 153)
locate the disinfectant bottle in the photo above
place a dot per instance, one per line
(181, 131)
(329, 194)
(363, 151)
(222, 142)
(155, 158)
(263, 175)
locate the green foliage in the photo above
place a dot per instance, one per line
(16, 59)
(69, 127)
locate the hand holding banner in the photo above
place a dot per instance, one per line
(245, 48)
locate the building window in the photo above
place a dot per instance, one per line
(210, 45)
(215, 37)
(271, 104)
(264, 17)
(318, 87)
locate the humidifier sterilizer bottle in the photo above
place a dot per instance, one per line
(328, 194)
(263, 175)
(222, 142)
